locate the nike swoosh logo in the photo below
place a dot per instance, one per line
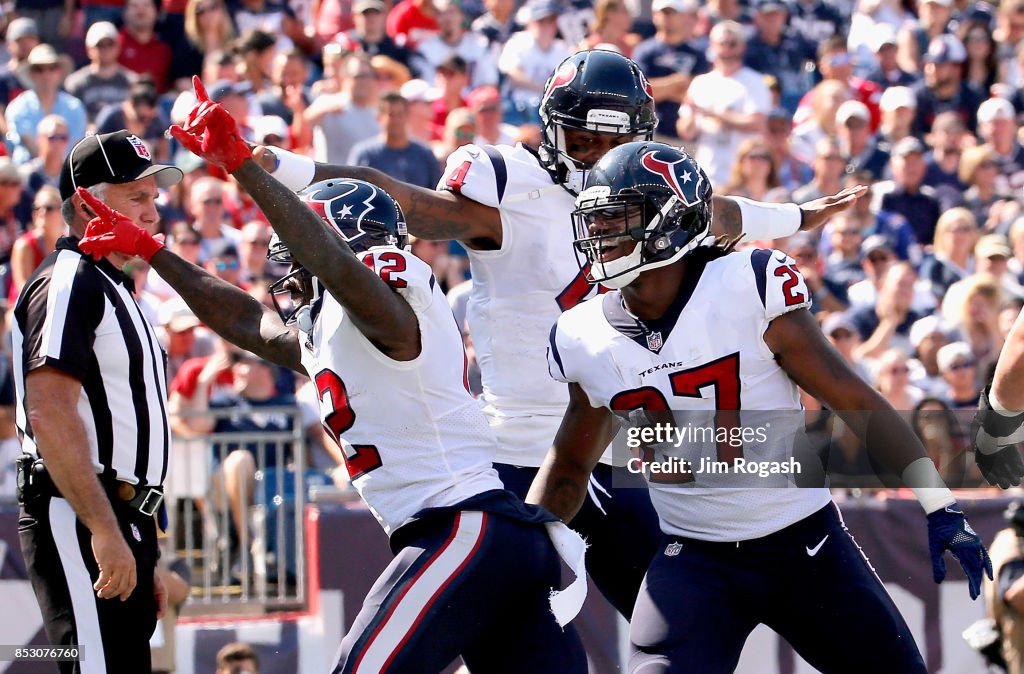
(813, 551)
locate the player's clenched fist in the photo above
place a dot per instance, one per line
(211, 133)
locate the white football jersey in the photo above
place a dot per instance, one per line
(412, 434)
(518, 292)
(705, 356)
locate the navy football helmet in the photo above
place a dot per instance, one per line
(360, 212)
(598, 91)
(645, 205)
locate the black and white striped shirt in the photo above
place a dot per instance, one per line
(78, 315)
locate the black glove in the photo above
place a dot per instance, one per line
(995, 444)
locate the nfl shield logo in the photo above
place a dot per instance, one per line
(673, 549)
(140, 147)
(135, 532)
(654, 341)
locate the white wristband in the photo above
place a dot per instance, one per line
(927, 485)
(998, 406)
(767, 221)
(294, 171)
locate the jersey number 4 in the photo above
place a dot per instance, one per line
(338, 417)
(723, 374)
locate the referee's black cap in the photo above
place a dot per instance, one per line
(118, 157)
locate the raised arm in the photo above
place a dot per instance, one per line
(735, 216)
(561, 482)
(226, 309)
(437, 216)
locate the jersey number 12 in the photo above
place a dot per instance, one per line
(338, 417)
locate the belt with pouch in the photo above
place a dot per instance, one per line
(34, 481)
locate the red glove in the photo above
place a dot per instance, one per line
(211, 133)
(113, 232)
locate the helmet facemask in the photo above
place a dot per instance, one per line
(554, 150)
(619, 236)
(294, 293)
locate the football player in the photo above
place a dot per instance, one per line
(692, 328)
(474, 565)
(510, 208)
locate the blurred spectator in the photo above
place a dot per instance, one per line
(273, 18)
(453, 39)
(255, 242)
(176, 575)
(1004, 594)
(335, 58)
(724, 106)
(140, 114)
(452, 79)
(369, 33)
(826, 295)
(942, 163)
(897, 235)
(52, 142)
(208, 29)
(853, 129)
(979, 170)
(179, 326)
(835, 63)
(528, 59)
(944, 88)
(886, 324)
(815, 20)
(877, 256)
(391, 74)
(288, 95)
(101, 10)
(206, 203)
(103, 81)
(342, 119)
(497, 24)
(972, 306)
(959, 368)
(15, 207)
(610, 28)
(842, 334)
(997, 127)
(237, 658)
(256, 51)
(52, 17)
(40, 240)
(717, 11)
(893, 381)
(24, 113)
(886, 71)
(1008, 33)
(829, 96)
(331, 18)
(927, 336)
(21, 38)
(992, 255)
(234, 97)
(937, 428)
(141, 50)
(420, 123)
(952, 257)
(412, 21)
(829, 163)
(982, 68)
(846, 233)
(898, 106)
(225, 264)
(932, 21)
(393, 152)
(905, 194)
(779, 51)
(754, 174)
(459, 130)
(485, 103)
(793, 173)
(668, 60)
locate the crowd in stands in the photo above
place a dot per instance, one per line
(778, 100)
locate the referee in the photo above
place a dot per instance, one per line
(91, 389)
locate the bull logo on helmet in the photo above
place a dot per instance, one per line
(337, 207)
(563, 77)
(667, 171)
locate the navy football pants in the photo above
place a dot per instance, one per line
(619, 524)
(701, 600)
(473, 584)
